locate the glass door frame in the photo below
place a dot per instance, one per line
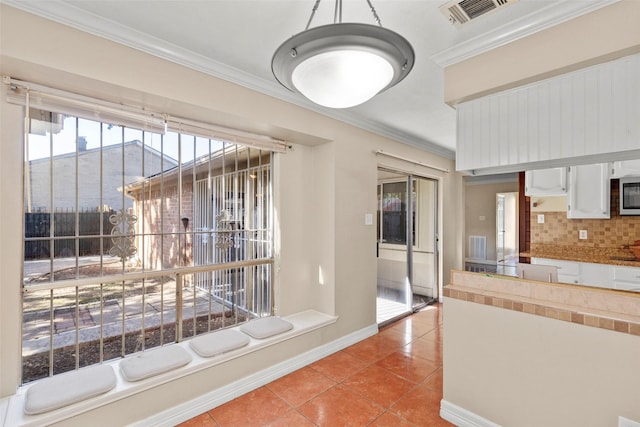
(411, 238)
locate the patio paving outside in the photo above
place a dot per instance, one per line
(159, 307)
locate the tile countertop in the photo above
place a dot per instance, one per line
(613, 256)
(610, 309)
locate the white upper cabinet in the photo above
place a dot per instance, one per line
(590, 112)
(546, 182)
(588, 195)
(624, 168)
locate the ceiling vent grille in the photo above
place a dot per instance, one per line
(462, 12)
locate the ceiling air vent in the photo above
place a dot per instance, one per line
(461, 12)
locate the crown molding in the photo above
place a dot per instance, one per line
(72, 16)
(557, 13)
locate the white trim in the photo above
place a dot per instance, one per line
(555, 163)
(481, 261)
(4, 411)
(554, 14)
(72, 16)
(222, 133)
(461, 417)
(33, 95)
(75, 17)
(60, 101)
(405, 159)
(625, 422)
(511, 177)
(217, 397)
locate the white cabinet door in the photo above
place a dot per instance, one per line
(546, 182)
(626, 278)
(626, 286)
(595, 274)
(583, 273)
(625, 168)
(568, 271)
(588, 194)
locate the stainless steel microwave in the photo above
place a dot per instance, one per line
(630, 196)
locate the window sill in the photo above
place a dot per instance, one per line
(11, 408)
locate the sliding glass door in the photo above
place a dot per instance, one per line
(407, 242)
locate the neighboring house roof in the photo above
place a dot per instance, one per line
(201, 165)
(102, 171)
(105, 148)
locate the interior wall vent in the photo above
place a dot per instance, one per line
(462, 12)
(477, 248)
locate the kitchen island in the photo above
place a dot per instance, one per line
(527, 353)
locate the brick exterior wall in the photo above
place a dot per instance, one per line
(158, 213)
(64, 177)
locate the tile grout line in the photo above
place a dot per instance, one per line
(591, 320)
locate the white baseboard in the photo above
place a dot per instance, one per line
(625, 422)
(461, 417)
(4, 409)
(217, 397)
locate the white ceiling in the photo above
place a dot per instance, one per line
(235, 39)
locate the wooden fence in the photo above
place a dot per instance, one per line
(38, 236)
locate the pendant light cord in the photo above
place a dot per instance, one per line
(313, 13)
(375, 14)
(337, 13)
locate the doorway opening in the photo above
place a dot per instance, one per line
(507, 253)
(407, 243)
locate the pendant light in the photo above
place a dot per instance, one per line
(341, 65)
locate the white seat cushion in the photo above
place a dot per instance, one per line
(218, 342)
(266, 327)
(68, 388)
(154, 362)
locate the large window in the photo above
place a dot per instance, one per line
(134, 239)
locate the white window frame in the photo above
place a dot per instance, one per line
(31, 95)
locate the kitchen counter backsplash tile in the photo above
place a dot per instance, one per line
(602, 233)
(558, 236)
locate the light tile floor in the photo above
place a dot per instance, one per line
(393, 378)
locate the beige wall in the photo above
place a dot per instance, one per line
(549, 204)
(518, 369)
(600, 36)
(480, 202)
(323, 188)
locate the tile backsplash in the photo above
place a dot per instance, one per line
(602, 233)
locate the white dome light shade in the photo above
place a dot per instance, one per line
(342, 78)
(342, 65)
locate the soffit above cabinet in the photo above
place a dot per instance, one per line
(603, 31)
(583, 117)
